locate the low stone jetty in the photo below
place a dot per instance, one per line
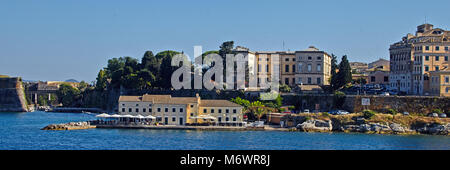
(69, 126)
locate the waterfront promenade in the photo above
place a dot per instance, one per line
(206, 128)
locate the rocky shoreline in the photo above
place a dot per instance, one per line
(334, 125)
(69, 126)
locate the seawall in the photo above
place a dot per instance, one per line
(354, 103)
(12, 96)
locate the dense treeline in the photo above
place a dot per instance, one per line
(127, 73)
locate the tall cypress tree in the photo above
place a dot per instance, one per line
(334, 78)
(345, 73)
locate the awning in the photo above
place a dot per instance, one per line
(203, 117)
(103, 115)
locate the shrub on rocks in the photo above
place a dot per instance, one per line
(368, 114)
(392, 111)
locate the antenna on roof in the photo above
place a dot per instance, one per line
(283, 45)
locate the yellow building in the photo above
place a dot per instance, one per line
(170, 110)
(412, 59)
(310, 66)
(440, 83)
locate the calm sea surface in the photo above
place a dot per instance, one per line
(21, 131)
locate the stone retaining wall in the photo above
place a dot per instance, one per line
(12, 97)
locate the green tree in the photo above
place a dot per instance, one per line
(285, 88)
(241, 102)
(68, 95)
(114, 71)
(166, 68)
(150, 62)
(344, 76)
(83, 85)
(42, 101)
(258, 109)
(102, 81)
(226, 48)
(334, 78)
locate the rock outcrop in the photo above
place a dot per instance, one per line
(314, 125)
(69, 126)
(434, 129)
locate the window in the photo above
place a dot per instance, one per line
(174, 110)
(293, 68)
(426, 68)
(174, 119)
(446, 48)
(130, 110)
(137, 104)
(318, 80)
(227, 111)
(386, 79)
(309, 67)
(227, 119)
(192, 106)
(287, 59)
(137, 110)
(267, 67)
(319, 67)
(427, 48)
(446, 58)
(437, 58)
(212, 110)
(309, 80)
(181, 110)
(286, 68)
(293, 59)
(219, 111)
(447, 80)
(436, 68)
(286, 80)
(309, 58)
(144, 110)
(150, 110)
(372, 78)
(293, 80)
(427, 58)
(219, 119)
(192, 114)
(123, 104)
(319, 58)
(123, 109)
(437, 48)
(300, 65)
(300, 80)
(259, 67)
(234, 119)
(447, 89)
(205, 111)
(234, 110)
(159, 109)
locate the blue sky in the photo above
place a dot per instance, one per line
(59, 40)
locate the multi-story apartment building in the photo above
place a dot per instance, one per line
(440, 82)
(415, 56)
(314, 67)
(180, 110)
(310, 66)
